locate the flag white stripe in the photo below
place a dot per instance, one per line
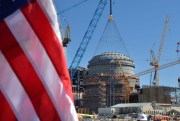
(49, 9)
(15, 93)
(43, 66)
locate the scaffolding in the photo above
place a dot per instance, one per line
(102, 93)
(99, 94)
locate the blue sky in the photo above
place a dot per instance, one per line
(140, 23)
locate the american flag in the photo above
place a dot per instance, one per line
(34, 80)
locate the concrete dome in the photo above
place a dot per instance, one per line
(103, 62)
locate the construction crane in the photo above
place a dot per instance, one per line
(127, 87)
(155, 61)
(67, 39)
(159, 68)
(88, 34)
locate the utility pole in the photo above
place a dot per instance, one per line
(153, 104)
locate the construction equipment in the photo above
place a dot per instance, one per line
(155, 61)
(159, 68)
(127, 86)
(67, 39)
(88, 34)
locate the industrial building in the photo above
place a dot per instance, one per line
(109, 81)
(162, 94)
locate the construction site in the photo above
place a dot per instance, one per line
(110, 77)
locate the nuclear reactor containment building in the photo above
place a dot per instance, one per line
(109, 81)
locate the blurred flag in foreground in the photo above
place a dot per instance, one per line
(34, 80)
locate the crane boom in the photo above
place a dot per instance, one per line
(88, 34)
(155, 61)
(163, 38)
(159, 68)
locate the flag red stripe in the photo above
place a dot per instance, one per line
(49, 40)
(26, 74)
(14, 92)
(7, 114)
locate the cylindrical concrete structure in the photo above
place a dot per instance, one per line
(101, 64)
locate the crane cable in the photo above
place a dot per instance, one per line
(178, 51)
(69, 8)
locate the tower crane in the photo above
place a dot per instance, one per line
(88, 34)
(155, 61)
(67, 39)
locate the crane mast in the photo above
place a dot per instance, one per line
(88, 34)
(123, 77)
(126, 79)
